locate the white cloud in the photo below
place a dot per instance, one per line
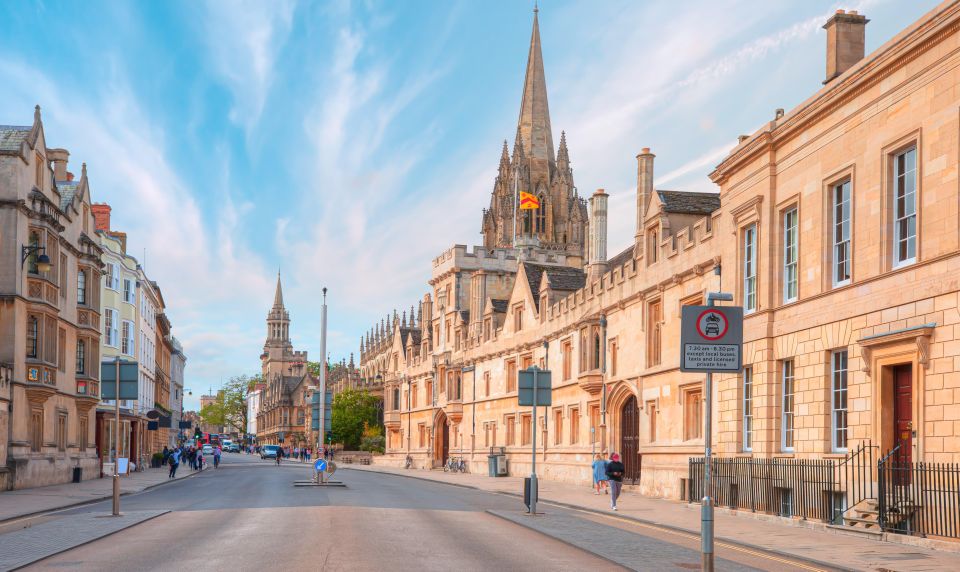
(244, 39)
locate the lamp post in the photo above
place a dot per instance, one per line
(116, 440)
(43, 261)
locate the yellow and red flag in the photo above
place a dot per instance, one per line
(528, 201)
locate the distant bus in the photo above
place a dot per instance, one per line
(211, 439)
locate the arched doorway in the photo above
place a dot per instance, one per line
(630, 440)
(441, 439)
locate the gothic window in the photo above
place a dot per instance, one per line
(33, 337)
(541, 215)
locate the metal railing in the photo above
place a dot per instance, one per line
(920, 499)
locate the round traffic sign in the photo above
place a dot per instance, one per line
(712, 324)
(320, 465)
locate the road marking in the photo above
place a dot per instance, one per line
(692, 537)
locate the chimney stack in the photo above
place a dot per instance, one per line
(846, 34)
(59, 158)
(598, 235)
(644, 192)
(101, 216)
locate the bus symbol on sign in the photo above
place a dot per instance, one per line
(712, 325)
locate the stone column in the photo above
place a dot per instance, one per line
(598, 234)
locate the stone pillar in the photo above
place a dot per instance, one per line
(598, 234)
(59, 158)
(644, 192)
(846, 35)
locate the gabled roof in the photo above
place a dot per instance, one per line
(407, 333)
(499, 306)
(621, 259)
(561, 278)
(12, 136)
(68, 189)
(686, 202)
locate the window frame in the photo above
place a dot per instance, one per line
(129, 292)
(689, 393)
(790, 247)
(845, 187)
(746, 409)
(82, 287)
(748, 266)
(895, 216)
(788, 405)
(838, 413)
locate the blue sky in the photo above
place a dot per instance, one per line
(348, 143)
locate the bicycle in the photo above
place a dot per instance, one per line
(408, 463)
(455, 465)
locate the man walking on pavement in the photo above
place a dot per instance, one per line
(174, 461)
(615, 470)
(216, 457)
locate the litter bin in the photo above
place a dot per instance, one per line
(492, 465)
(77, 474)
(526, 492)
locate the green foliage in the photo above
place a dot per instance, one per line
(353, 411)
(373, 439)
(230, 407)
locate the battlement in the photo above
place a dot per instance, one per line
(461, 257)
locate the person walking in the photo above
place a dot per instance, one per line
(615, 470)
(216, 457)
(200, 459)
(279, 455)
(166, 454)
(174, 461)
(599, 475)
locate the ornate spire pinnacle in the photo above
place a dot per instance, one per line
(562, 154)
(420, 315)
(534, 123)
(505, 156)
(278, 295)
(404, 322)
(412, 323)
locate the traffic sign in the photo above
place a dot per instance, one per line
(320, 465)
(530, 378)
(711, 338)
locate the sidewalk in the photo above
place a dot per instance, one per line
(763, 532)
(25, 502)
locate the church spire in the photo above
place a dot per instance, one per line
(534, 123)
(278, 295)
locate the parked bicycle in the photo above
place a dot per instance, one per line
(408, 463)
(455, 465)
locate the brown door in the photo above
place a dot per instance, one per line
(903, 411)
(445, 439)
(630, 440)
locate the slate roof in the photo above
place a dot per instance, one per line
(621, 259)
(499, 306)
(407, 333)
(68, 189)
(11, 136)
(685, 202)
(558, 278)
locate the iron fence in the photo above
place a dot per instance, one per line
(918, 498)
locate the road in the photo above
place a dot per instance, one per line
(247, 515)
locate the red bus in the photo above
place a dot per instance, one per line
(211, 439)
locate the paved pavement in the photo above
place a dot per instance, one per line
(769, 534)
(24, 502)
(58, 534)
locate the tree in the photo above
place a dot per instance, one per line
(229, 410)
(352, 411)
(373, 439)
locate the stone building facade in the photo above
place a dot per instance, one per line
(835, 227)
(49, 319)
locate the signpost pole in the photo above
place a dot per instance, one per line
(116, 435)
(533, 431)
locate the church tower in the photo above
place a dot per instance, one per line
(278, 357)
(560, 223)
(278, 321)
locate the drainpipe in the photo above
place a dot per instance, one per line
(603, 380)
(546, 413)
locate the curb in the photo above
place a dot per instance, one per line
(69, 548)
(664, 526)
(92, 500)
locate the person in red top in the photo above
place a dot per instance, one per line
(615, 471)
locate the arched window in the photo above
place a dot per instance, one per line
(82, 287)
(541, 215)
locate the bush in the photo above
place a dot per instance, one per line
(373, 444)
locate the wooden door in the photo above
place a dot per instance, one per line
(630, 440)
(903, 411)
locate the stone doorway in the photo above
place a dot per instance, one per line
(903, 411)
(441, 440)
(630, 440)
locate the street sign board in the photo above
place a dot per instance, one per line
(320, 465)
(525, 385)
(711, 338)
(129, 375)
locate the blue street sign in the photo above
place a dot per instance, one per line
(320, 465)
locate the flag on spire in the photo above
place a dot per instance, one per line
(528, 201)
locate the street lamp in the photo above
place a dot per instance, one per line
(43, 261)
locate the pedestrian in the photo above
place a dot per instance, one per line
(174, 462)
(166, 453)
(615, 471)
(599, 474)
(199, 459)
(216, 457)
(279, 455)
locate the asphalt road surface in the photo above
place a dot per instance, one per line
(247, 515)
